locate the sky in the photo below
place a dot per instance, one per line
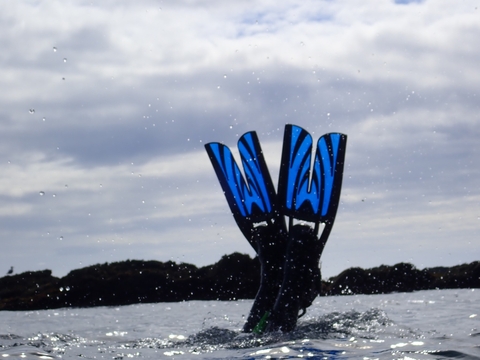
(105, 108)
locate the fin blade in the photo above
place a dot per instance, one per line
(262, 192)
(331, 156)
(294, 179)
(227, 172)
(311, 191)
(251, 198)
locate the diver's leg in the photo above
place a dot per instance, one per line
(311, 276)
(271, 253)
(301, 279)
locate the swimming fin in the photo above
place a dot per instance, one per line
(308, 192)
(252, 199)
(253, 203)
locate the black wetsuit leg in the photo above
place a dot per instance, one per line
(270, 247)
(301, 279)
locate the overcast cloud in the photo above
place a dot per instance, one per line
(105, 108)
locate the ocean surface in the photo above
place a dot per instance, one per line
(442, 324)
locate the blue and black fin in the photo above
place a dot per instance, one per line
(253, 202)
(308, 191)
(252, 199)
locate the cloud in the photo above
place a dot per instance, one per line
(126, 95)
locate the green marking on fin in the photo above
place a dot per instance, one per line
(262, 324)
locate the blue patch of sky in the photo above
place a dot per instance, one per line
(406, 2)
(256, 18)
(258, 23)
(320, 17)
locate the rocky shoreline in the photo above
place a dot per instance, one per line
(235, 276)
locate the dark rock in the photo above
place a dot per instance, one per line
(235, 276)
(456, 277)
(402, 277)
(21, 291)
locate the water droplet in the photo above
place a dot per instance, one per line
(43, 119)
(224, 76)
(41, 193)
(54, 195)
(64, 60)
(60, 238)
(31, 111)
(54, 49)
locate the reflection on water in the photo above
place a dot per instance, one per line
(423, 325)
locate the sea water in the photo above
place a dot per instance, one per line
(441, 324)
